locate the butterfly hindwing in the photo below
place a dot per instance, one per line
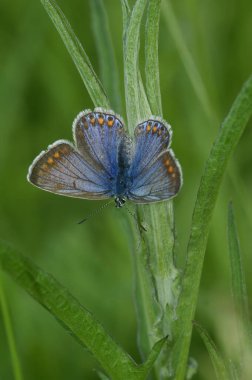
(159, 181)
(62, 170)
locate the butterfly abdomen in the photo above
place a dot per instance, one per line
(124, 162)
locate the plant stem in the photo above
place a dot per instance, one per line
(9, 332)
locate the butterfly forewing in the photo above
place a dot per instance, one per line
(97, 136)
(62, 170)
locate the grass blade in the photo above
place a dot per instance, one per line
(239, 291)
(131, 70)
(9, 332)
(72, 316)
(151, 57)
(220, 368)
(239, 288)
(224, 145)
(188, 61)
(77, 53)
(106, 56)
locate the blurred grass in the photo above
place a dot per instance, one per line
(40, 94)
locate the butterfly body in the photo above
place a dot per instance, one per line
(105, 162)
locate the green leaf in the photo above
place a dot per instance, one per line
(156, 349)
(224, 145)
(131, 69)
(151, 57)
(220, 368)
(106, 54)
(238, 281)
(73, 317)
(9, 332)
(239, 289)
(187, 60)
(77, 53)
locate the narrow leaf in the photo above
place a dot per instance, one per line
(224, 145)
(187, 60)
(218, 361)
(156, 349)
(151, 57)
(72, 316)
(106, 54)
(239, 288)
(131, 70)
(77, 53)
(9, 332)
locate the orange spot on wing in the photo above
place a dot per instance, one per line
(58, 186)
(154, 129)
(110, 121)
(44, 167)
(50, 161)
(148, 128)
(167, 162)
(64, 150)
(56, 155)
(100, 120)
(170, 169)
(92, 119)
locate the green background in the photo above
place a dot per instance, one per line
(40, 94)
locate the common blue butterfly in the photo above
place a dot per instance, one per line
(105, 162)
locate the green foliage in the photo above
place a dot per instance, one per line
(77, 53)
(74, 317)
(218, 362)
(224, 145)
(165, 297)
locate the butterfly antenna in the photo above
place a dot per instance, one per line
(137, 221)
(97, 211)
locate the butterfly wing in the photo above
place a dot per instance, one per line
(62, 170)
(97, 137)
(90, 171)
(155, 172)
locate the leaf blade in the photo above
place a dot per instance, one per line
(106, 54)
(239, 288)
(224, 145)
(69, 313)
(77, 53)
(151, 57)
(220, 368)
(131, 69)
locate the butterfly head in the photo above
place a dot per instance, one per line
(119, 202)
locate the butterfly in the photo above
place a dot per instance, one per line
(105, 162)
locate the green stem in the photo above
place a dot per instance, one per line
(9, 332)
(151, 57)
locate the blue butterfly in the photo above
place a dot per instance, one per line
(106, 163)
